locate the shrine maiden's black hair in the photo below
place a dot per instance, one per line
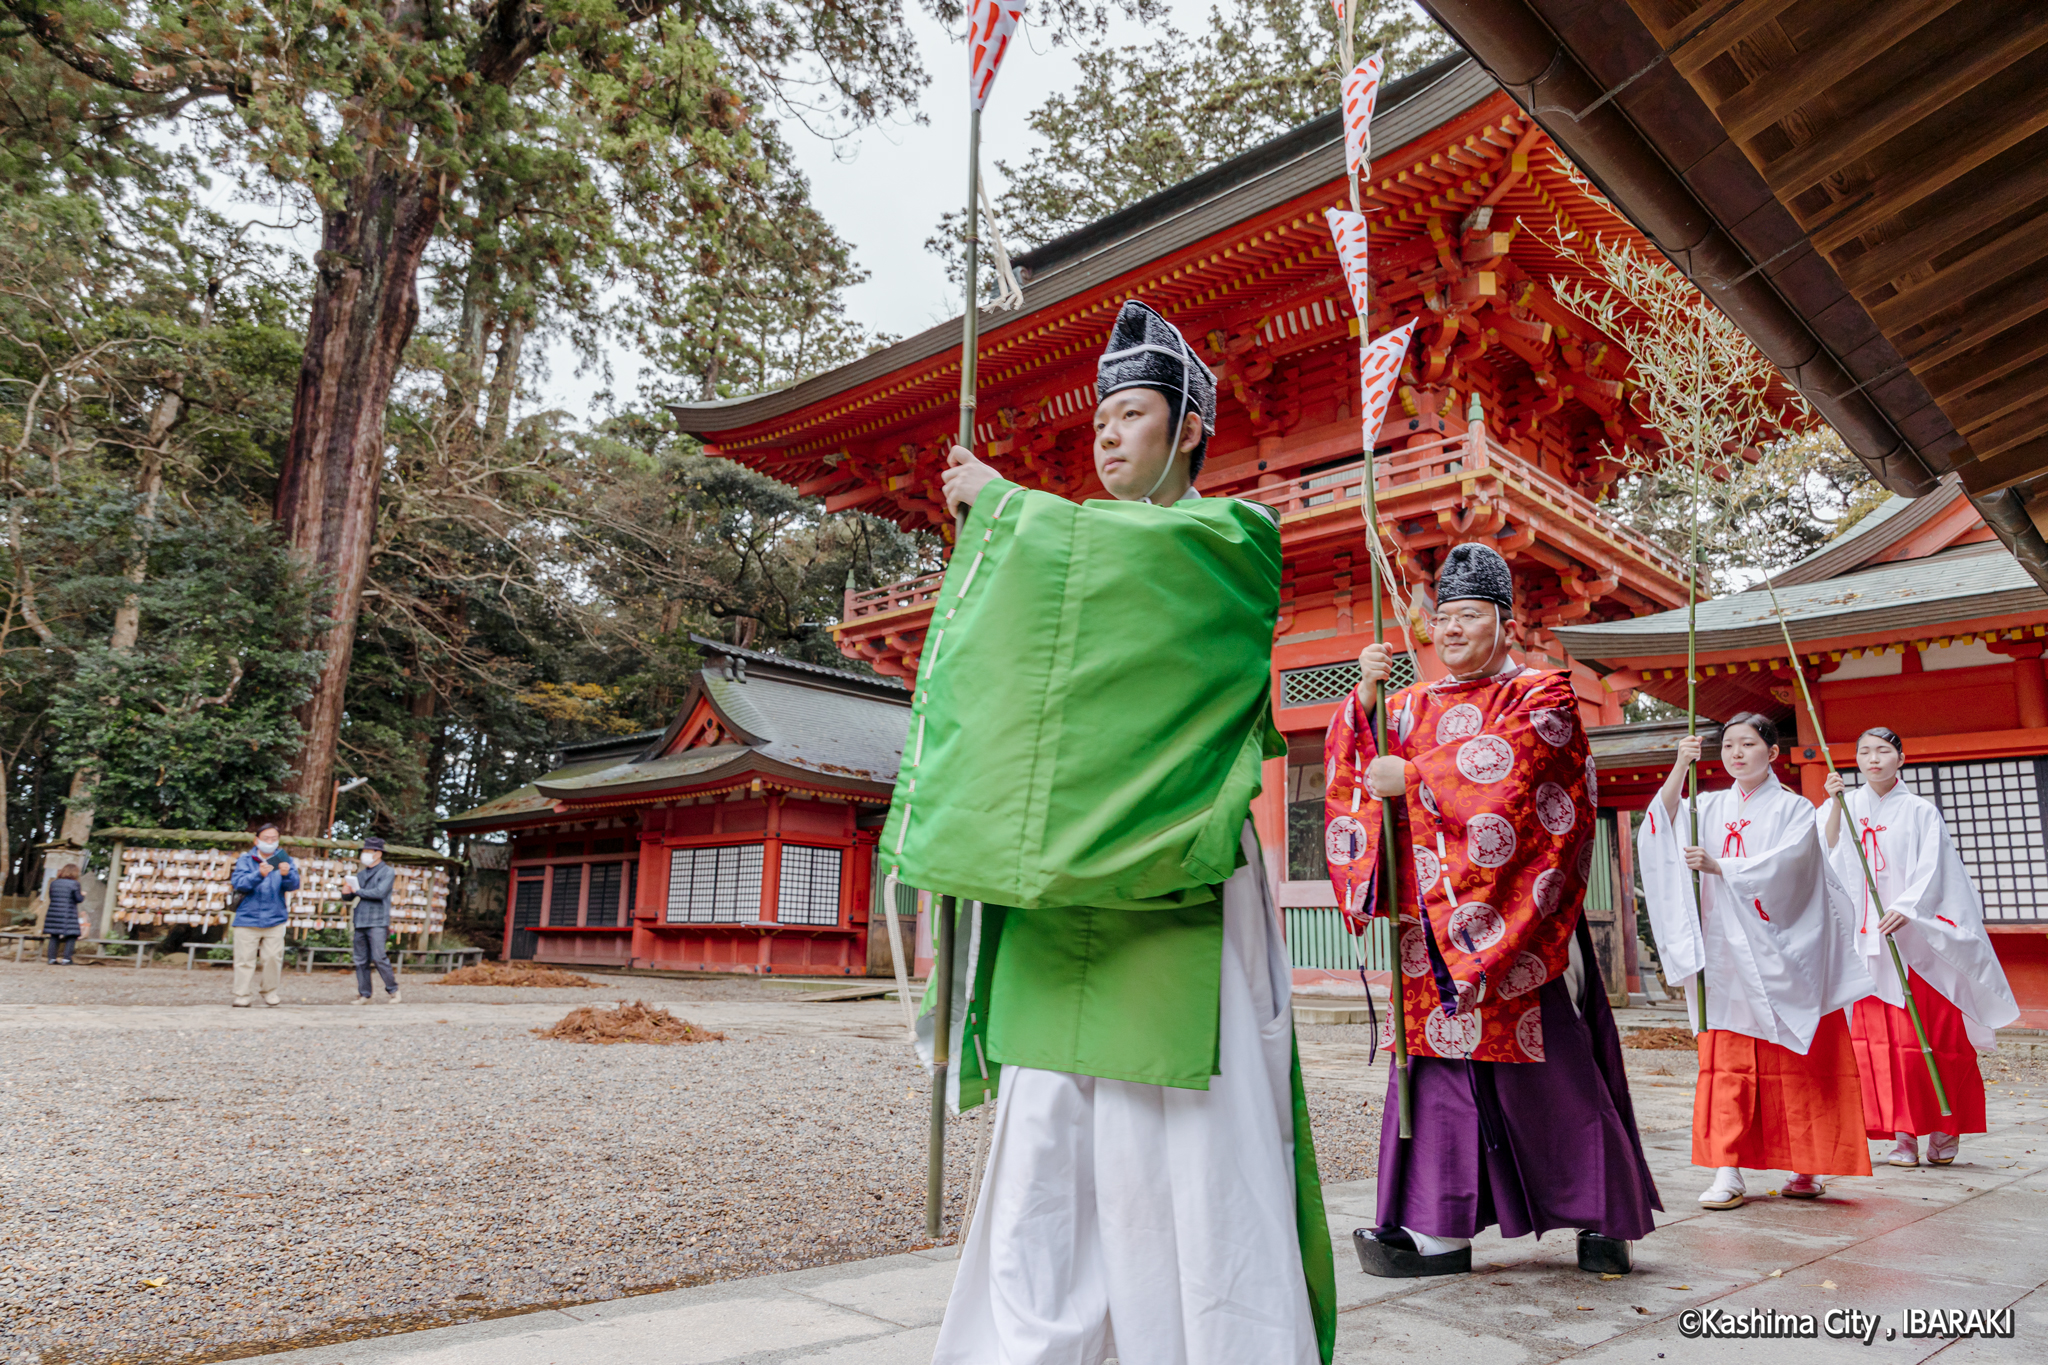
(1766, 729)
(1890, 737)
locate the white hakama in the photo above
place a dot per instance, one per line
(1144, 1223)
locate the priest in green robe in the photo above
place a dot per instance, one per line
(1090, 716)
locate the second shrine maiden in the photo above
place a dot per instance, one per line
(1932, 912)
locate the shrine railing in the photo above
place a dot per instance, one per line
(911, 592)
(1458, 455)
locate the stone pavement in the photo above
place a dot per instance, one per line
(1972, 1236)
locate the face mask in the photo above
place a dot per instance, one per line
(265, 849)
(371, 857)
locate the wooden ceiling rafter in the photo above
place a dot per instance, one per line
(1909, 140)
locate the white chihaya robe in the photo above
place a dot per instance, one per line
(1145, 1223)
(1920, 875)
(1776, 937)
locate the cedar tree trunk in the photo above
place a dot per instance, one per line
(364, 308)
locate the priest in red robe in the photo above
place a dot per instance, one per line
(1521, 1107)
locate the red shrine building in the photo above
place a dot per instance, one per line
(739, 839)
(1505, 425)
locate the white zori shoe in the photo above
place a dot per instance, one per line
(1942, 1148)
(1727, 1191)
(1803, 1187)
(1907, 1153)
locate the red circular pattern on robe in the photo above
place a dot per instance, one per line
(1554, 727)
(1490, 840)
(1330, 775)
(1488, 758)
(1529, 1033)
(1428, 799)
(1386, 1030)
(1476, 926)
(1428, 868)
(1586, 860)
(1554, 808)
(1592, 783)
(1524, 974)
(1452, 1035)
(1344, 840)
(1414, 952)
(1471, 994)
(1460, 722)
(1549, 892)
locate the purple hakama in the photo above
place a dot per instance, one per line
(1530, 1146)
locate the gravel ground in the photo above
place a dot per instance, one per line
(177, 1195)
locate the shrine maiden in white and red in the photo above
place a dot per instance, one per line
(1927, 905)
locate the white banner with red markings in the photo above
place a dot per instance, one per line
(1361, 92)
(1348, 233)
(1379, 365)
(988, 38)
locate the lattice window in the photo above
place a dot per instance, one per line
(1996, 812)
(1329, 682)
(568, 891)
(526, 902)
(714, 885)
(808, 891)
(602, 907)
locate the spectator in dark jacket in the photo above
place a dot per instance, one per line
(371, 889)
(262, 875)
(62, 923)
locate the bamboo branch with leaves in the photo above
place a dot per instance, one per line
(1725, 412)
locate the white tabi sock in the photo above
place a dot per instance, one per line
(1436, 1246)
(1728, 1180)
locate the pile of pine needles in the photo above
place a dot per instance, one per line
(638, 1022)
(1661, 1039)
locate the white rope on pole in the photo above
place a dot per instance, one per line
(889, 884)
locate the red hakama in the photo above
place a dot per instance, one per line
(1898, 1097)
(1768, 1108)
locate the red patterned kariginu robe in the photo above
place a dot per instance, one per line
(1497, 833)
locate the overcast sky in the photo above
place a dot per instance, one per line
(884, 188)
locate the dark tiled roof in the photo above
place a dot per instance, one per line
(1969, 583)
(520, 801)
(756, 659)
(1647, 744)
(795, 722)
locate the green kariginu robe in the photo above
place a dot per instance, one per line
(1092, 709)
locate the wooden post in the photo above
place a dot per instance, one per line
(110, 901)
(942, 1046)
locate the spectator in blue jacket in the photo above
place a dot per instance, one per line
(61, 922)
(371, 890)
(262, 876)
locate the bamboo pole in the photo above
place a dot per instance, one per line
(1692, 725)
(944, 906)
(942, 1048)
(1820, 738)
(970, 316)
(1389, 874)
